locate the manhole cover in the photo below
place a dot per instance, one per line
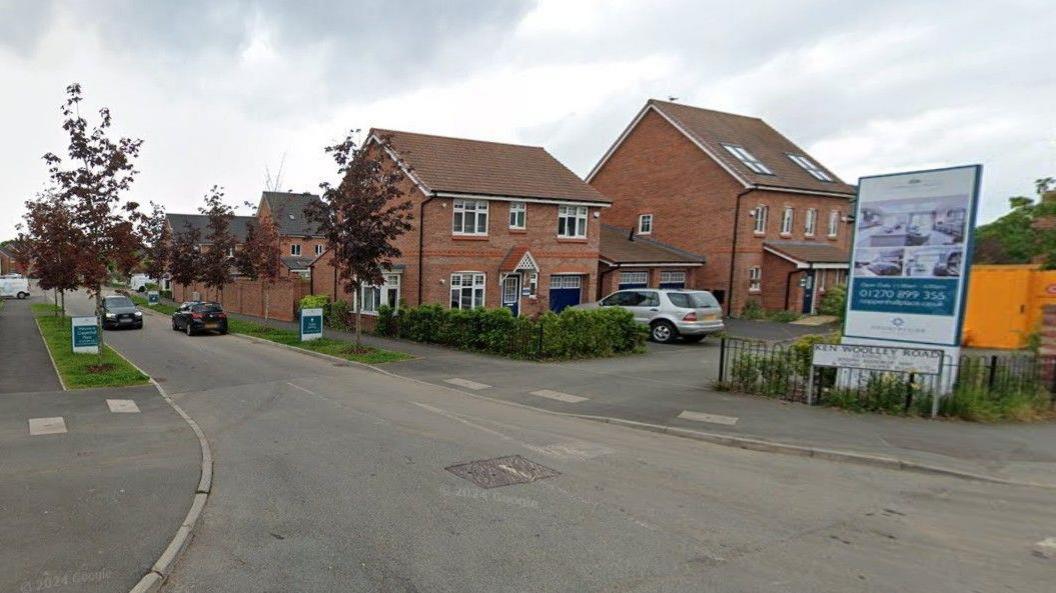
(502, 471)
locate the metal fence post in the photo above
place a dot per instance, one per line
(993, 373)
(810, 386)
(722, 360)
(909, 392)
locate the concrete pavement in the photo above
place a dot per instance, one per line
(333, 478)
(24, 361)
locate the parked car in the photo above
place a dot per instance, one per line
(197, 316)
(120, 311)
(669, 314)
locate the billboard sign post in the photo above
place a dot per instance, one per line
(911, 256)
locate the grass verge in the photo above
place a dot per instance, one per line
(81, 371)
(160, 307)
(338, 348)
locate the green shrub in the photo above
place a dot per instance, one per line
(753, 310)
(338, 315)
(313, 301)
(834, 302)
(783, 316)
(574, 333)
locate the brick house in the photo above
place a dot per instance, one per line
(494, 225)
(9, 263)
(630, 260)
(771, 221)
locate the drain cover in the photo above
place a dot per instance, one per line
(502, 471)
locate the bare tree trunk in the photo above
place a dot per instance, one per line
(267, 303)
(62, 293)
(55, 294)
(99, 318)
(359, 314)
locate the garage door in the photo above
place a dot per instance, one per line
(633, 280)
(565, 291)
(672, 279)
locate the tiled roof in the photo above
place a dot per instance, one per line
(181, 222)
(458, 165)
(6, 251)
(715, 128)
(509, 263)
(619, 247)
(810, 252)
(288, 210)
(297, 262)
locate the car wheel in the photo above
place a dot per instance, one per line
(23, 295)
(174, 327)
(190, 332)
(692, 339)
(663, 332)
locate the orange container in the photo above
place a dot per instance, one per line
(1004, 304)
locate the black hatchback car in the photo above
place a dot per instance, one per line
(120, 311)
(196, 316)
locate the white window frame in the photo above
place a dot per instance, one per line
(671, 276)
(810, 225)
(477, 286)
(476, 210)
(645, 224)
(755, 279)
(788, 219)
(750, 160)
(318, 249)
(295, 248)
(577, 216)
(762, 212)
(631, 277)
(518, 215)
(559, 281)
(379, 295)
(810, 167)
(834, 223)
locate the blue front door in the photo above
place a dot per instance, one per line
(565, 291)
(511, 293)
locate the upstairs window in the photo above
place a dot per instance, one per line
(810, 167)
(748, 159)
(786, 221)
(761, 213)
(470, 217)
(834, 223)
(811, 223)
(572, 222)
(645, 224)
(318, 249)
(295, 249)
(518, 213)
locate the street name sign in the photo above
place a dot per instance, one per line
(311, 324)
(922, 361)
(85, 335)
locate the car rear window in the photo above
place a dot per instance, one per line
(207, 308)
(692, 300)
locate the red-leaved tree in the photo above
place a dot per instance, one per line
(157, 243)
(215, 263)
(92, 178)
(184, 261)
(261, 257)
(50, 243)
(362, 215)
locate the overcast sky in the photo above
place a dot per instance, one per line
(221, 89)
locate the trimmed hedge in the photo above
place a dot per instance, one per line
(574, 333)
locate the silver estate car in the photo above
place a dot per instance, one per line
(669, 313)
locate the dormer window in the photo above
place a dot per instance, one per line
(810, 167)
(748, 159)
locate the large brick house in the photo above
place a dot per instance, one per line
(494, 225)
(771, 221)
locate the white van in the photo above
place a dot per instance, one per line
(14, 285)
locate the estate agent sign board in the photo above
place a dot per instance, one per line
(85, 335)
(911, 256)
(311, 324)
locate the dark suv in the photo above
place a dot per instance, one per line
(120, 311)
(197, 316)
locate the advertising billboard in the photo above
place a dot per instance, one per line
(911, 255)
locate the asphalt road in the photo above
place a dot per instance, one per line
(332, 478)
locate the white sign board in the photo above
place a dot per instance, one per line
(84, 335)
(911, 256)
(311, 324)
(923, 361)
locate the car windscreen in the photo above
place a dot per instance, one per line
(118, 302)
(207, 308)
(692, 300)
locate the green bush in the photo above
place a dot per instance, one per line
(313, 301)
(339, 316)
(753, 310)
(782, 316)
(574, 333)
(834, 302)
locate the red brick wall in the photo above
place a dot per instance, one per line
(658, 171)
(247, 297)
(445, 253)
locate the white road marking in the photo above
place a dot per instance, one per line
(122, 406)
(308, 391)
(466, 383)
(712, 418)
(39, 426)
(559, 396)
